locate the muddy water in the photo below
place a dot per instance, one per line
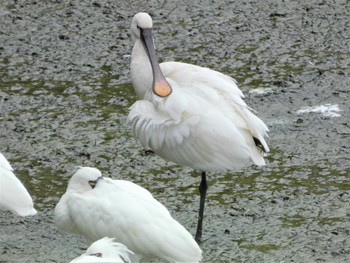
(64, 97)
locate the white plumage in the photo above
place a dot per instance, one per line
(13, 195)
(204, 123)
(191, 115)
(105, 250)
(97, 207)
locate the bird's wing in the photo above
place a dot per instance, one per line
(143, 224)
(131, 188)
(204, 123)
(203, 142)
(108, 200)
(204, 79)
(13, 195)
(63, 216)
(219, 89)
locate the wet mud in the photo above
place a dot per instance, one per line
(64, 96)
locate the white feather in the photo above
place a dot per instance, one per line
(13, 195)
(126, 212)
(105, 250)
(204, 123)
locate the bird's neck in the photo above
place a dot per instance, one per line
(141, 70)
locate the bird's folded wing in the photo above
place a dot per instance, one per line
(218, 89)
(139, 223)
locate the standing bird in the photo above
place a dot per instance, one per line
(13, 195)
(97, 207)
(191, 115)
(105, 250)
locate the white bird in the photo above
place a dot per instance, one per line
(96, 207)
(191, 115)
(105, 250)
(13, 195)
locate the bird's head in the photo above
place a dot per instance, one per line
(141, 29)
(84, 179)
(108, 248)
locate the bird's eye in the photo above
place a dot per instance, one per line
(99, 255)
(93, 183)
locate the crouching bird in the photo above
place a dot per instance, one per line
(97, 207)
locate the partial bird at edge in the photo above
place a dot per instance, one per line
(13, 195)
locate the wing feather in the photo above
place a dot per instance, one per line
(118, 209)
(216, 87)
(204, 124)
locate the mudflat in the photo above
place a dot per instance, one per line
(65, 90)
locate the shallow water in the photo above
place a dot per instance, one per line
(64, 98)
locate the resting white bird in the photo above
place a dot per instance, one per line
(191, 115)
(13, 195)
(105, 250)
(96, 207)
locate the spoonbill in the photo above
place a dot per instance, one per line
(105, 250)
(13, 195)
(191, 115)
(96, 207)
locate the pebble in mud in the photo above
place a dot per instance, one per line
(63, 103)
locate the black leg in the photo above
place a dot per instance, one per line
(202, 191)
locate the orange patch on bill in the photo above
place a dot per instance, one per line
(162, 88)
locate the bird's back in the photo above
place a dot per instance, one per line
(120, 209)
(204, 123)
